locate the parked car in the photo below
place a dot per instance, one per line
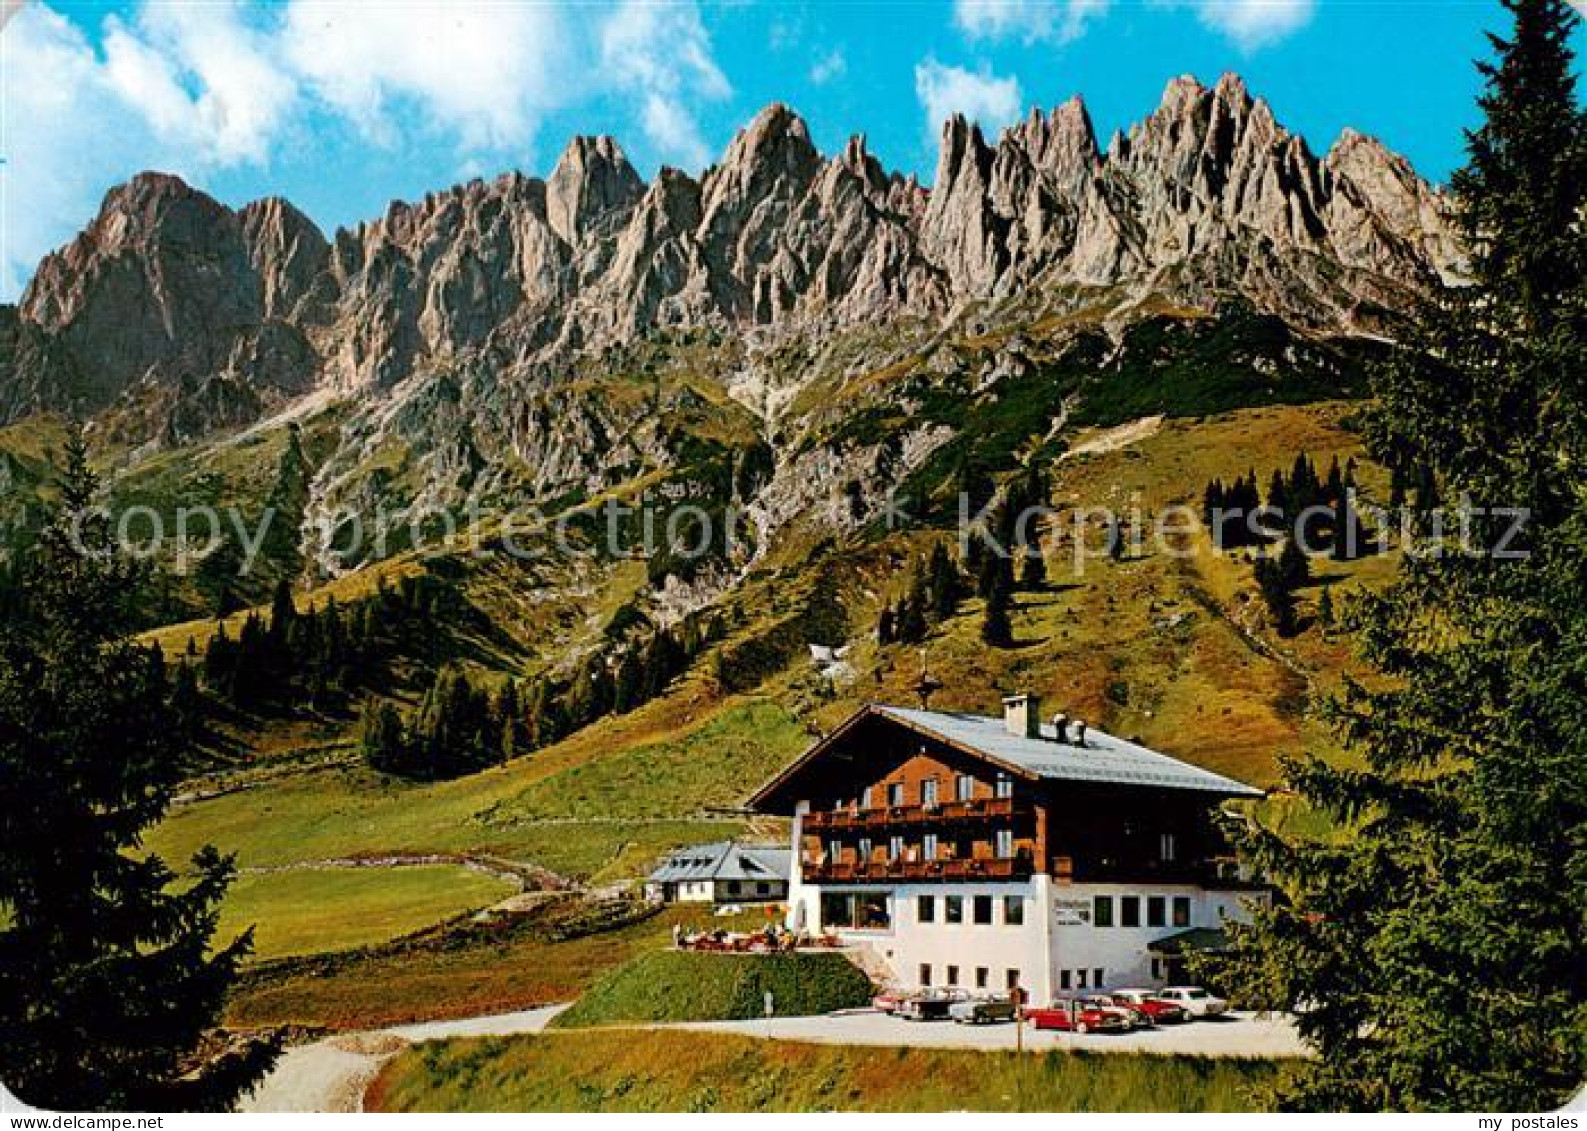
(982, 1011)
(1070, 1015)
(1196, 1001)
(1156, 1010)
(1138, 1020)
(928, 1005)
(887, 1001)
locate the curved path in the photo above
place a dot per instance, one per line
(331, 1075)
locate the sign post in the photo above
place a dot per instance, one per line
(1018, 996)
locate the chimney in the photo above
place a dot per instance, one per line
(1080, 733)
(1022, 715)
(1060, 726)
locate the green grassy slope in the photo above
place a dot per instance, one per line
(668, 770)
(716, 765)
(1154, 646)
(620, 1070)
(315, 910)
(1165, 647)
(671, 985)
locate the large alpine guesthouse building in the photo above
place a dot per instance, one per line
(982, 852)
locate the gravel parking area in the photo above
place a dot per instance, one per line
(1240, 1034)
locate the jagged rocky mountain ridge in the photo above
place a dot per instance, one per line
(216, 315)
(795, 335)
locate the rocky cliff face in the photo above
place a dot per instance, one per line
(215, 315)
(1208, 196)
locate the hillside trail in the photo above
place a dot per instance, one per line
(1116, 439)
(332, 1075)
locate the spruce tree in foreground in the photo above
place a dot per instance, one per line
(1440, 941)
(110, 974)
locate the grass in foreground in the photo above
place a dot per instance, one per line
(670, 985)
(311, 910)
(634, 1070)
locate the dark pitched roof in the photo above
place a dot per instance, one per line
(1103, 758)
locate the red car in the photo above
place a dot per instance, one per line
(1081, 1017)
(887, 1001)
(1153, 1010)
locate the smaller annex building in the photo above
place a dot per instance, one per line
(722, 872)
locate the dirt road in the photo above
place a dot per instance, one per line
(333, 1074)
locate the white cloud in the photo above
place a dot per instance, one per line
(192, 88)
(673, 131)
(830, 66)
(660, 54)
(979, 95)
(1050, 21)
(69, 130)
(485, 72)
(1253, 24)
(203, 77)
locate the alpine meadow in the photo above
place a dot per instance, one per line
(635, 639)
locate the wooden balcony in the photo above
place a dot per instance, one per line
(1218, 873)
(893, 816)
(916, 871)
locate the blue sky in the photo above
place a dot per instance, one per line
(342, 106)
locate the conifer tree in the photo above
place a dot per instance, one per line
(1293, 568)
(1325, 608)
(154, 657)
(1349, 538)
(1276, 593)
(187, 703)
(110, 971)
(1301, 490)
(995, 627)
(1034, 577)
(384, 740)
(590, 696)
(1334, 489)
(1439, 941)
(920, 587)
(943, 584)
(504, 718)
(1278, 495)
(282, 614)
(884, 625)
(912, 626)
(1397, 486)
(1118, 539)
(1212, 503)
(663, 660)
(628, 684)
